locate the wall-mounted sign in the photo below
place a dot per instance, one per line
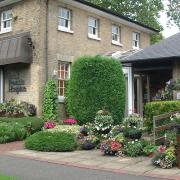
(17, 85)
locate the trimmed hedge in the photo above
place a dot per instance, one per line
(96, 83)
(158, 108)
(51, 142)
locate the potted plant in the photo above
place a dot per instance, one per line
(111, 147)
(149, 150)
(88, 142)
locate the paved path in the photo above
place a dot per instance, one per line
(35, 170)
(11, 146)
(94, 159)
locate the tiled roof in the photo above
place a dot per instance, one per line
(167, 49)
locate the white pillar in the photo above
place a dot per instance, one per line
(130, 90)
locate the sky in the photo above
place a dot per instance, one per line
(168, 31)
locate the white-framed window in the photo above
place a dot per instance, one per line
(64, 23)
(93, 27)
(6, 21)
(63, 76)
(136, 40)
(116, 33)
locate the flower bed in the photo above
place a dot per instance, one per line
(75, 129)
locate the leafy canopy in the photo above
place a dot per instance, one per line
(144, 11)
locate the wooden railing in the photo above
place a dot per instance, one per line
(161, 124)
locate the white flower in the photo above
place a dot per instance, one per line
(132, 142)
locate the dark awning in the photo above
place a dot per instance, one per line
(16, 49)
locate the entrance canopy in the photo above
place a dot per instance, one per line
(16, 49)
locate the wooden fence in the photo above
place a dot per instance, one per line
(161, 124)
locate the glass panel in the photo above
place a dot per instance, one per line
(62, 67)
(92, 22)
(61, 91)
(90, 30)
(62, 22)
(64, 13)
(61, 84)
(115, 30)
(62, 74)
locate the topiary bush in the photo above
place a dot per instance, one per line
(96, 83)
(50, 101)
(158, 108)
(51, 142)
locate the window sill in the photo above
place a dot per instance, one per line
(117, 43)
(90, 36)
(65, 30)
(61, 99)
(5, 31)
(137, 48)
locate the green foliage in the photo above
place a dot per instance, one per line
(146, 12)
(158, 108)
(96, 82)
(149, 149)
(14, 129)
(133, 133)
(51, 142)
(155, 38)
(173, 11)
(133, 148)
(50, 102)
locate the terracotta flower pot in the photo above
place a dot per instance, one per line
(150, 155)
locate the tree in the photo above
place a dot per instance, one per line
(173, 11)
(96, 83)
(50, 101)
(144, 11)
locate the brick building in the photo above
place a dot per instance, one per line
(41, 38)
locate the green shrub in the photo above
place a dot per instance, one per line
(158, 108)
(96, 83)
(31, 124)
(133, 148)
(51, 142)
(7, 133)
(50, 101)
(15, 129)
(12, 132)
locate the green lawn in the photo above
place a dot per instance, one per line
(2, 177)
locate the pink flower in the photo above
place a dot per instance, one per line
(70, 121)
(49, 125)
(161, 149)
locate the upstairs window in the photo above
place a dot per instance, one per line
(136, 40)
(64, 19)
(63, 76)
(93, 25)
(6, 21)
(116, 34)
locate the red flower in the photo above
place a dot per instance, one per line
(161, 149)
(70, 121)
(115, 146)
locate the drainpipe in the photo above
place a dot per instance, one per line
(46, 39)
